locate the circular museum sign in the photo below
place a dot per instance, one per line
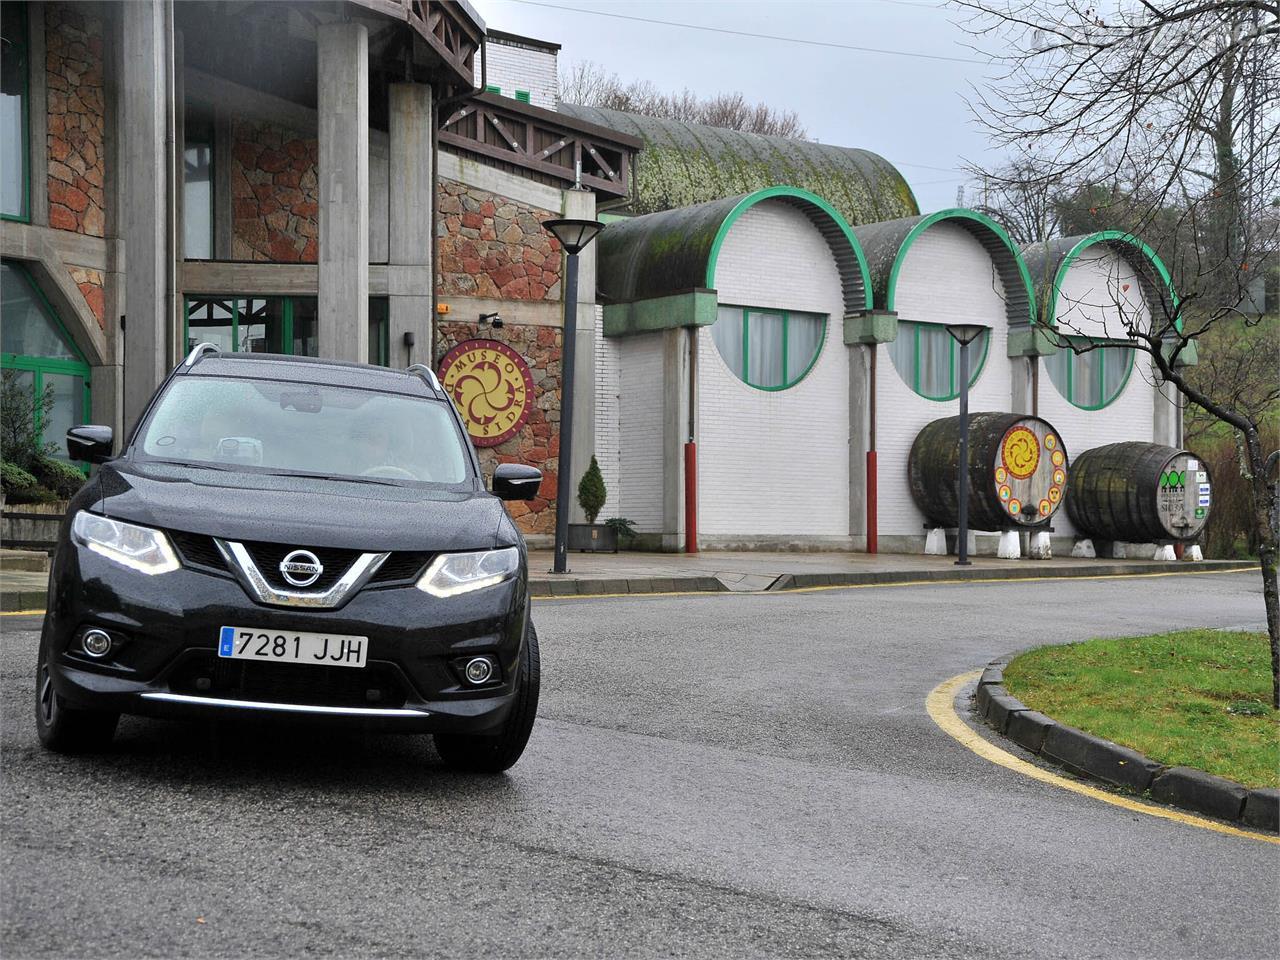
(492, 387)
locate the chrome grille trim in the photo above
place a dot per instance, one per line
(242, 564)
(286, 707)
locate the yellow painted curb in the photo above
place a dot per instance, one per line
(941, 707)
(22, 613)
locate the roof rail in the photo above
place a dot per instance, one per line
(198, 351)
(426, 373)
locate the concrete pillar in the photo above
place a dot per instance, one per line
(675, 428)
(1020, 385)
(860, 387)
(1167, 423)
(581, 205)
(343, 111)
(144, 81)
(411, 183)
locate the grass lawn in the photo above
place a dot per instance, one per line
(1198, 698)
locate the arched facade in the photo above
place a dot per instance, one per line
(953, 266)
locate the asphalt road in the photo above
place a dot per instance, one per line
(710, 776)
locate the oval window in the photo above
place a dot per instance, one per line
(768, 349)
(1091, 379)
(927, 359)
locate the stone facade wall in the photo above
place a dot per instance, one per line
(92, 285)
(76, 118)
(275, 194)
(538, 442)
(491, 246)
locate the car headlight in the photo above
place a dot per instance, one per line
(139, 548)
(453, 573)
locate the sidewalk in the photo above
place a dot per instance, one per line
(23, 588)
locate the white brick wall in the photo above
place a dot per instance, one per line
(608, 390)
(640, 430)
(1093, 296)
(775, 463)
(947, 277)
(513, 67)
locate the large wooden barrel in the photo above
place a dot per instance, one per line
(1017, 471)
(1139, 493)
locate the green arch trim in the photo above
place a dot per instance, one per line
(803, 196)
(1112, 238)
(960, 213)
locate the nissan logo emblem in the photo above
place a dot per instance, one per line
(301, 568)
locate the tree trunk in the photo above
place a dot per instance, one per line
(1268, 551)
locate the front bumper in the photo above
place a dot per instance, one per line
(165, 660)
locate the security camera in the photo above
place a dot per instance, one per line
(491, 318)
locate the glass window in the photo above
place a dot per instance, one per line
(211, 321)
(262, 321)
(14, 141)
(928, 359)
(272, 426)
(38, 354)
(306, 324)
(379, 331)
(197, 191)
(1091, 379)
(769, 349)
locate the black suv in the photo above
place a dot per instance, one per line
(284, 535)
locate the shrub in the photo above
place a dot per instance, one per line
(62, 479)
(591, 492)
(20, 410)
(624, 529)
(1230, 532)
(20, 486)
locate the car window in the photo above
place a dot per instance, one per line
(304, 427)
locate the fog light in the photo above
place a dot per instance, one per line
(479, 670)
(96, 643)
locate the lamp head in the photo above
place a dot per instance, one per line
(573, 234)
(964, 333)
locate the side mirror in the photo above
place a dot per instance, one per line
(90, 443)
(516, 481)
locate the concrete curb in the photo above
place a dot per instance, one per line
(570, 586)
(1086, 755)
(798, 581)
(12, 600)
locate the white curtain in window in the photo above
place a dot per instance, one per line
(1086, 379)
(935, 360)
(764, 349)
(804, 340)
(1115, 371)
(902, 351)
(977, 350)
(726, 333)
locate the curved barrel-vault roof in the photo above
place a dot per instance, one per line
(674, 251)
(683, 164)
(886, 245)
(1049, 261)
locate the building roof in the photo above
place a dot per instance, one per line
(674, 251)
(886, 245)
(683, 164)
(1049, 261)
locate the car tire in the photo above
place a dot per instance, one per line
(494, 754)
(66, 729)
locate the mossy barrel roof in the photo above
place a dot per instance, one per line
(683, 164)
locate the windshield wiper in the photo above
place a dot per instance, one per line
(342, 478)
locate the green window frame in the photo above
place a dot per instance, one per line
(379, 320)
(743, 370)
(16, 56)
(912, 333)
(39, 367)
(522, 96)
(1082, 378)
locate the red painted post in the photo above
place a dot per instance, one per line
(690, 497)
(873, 533)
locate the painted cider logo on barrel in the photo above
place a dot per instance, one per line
(1185, 494)
(492, 388)
(1031, 475)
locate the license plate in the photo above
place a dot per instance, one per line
(322, 649)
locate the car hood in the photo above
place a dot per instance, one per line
(302, 510)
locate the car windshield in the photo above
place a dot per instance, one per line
(288, 427)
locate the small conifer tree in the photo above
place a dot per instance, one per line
(591, 492)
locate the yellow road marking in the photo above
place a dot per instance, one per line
(941, 706)
(893, 583)
(22, 613)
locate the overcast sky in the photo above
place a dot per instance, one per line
(908, 109)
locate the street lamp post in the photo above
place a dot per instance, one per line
(964, 334)
(573, 235)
